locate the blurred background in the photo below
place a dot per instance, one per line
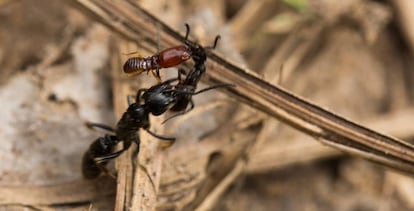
(353, 57)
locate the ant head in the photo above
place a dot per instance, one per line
(197, 52)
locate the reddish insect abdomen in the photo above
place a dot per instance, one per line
(171, 57)
(137, 64)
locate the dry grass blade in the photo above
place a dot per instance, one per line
(124, 166)
(67, 193)
(405, 18)
(196, 180)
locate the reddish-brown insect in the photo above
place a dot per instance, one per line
(169, 57)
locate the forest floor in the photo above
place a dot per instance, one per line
(353, 57)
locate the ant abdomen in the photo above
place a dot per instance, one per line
(90, 168)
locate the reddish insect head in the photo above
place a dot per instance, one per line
(174, 56)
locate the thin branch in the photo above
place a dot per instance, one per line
(273, 154)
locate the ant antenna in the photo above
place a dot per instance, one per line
(215, 42)
(188, 31)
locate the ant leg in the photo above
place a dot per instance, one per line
(180, 113)
(103, 158)
(168, 141)
(140, 91)
(98, 125)
(180, 73)
(114, 154)
(173, 116)
(191, 106)
(138, 97)
(160, 136)
(137, 141)
(156, 75)
(214, 87)
(203, 90)
(191, 101)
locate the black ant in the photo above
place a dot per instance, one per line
(157, 100)
(190, 82)
(101, 150)
(169, 57)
